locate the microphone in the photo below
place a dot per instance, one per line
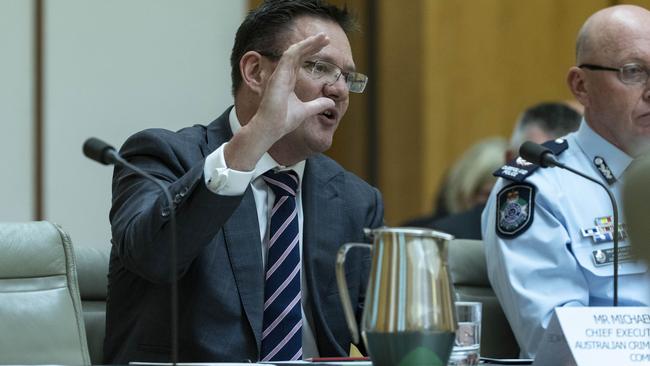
(544, 157)
(100, 151)
(538, 154)
(106, 154)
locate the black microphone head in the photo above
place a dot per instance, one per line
(99, 151)
(537, 154)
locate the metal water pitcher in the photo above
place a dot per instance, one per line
(408, 317)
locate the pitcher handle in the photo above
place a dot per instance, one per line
(343, 287)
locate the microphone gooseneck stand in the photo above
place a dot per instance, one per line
(172, 258)
(104, 153)
(545, 158)
(615, 231)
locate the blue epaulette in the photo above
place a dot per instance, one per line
(518, 170)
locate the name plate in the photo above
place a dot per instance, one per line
(596, 336)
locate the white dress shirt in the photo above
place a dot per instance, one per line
(229, 182)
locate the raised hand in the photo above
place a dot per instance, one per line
(280, 111)
(280, 108)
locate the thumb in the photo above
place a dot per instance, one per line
(318, 105)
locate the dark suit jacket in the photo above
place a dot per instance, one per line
(219, 253)
(463, 225)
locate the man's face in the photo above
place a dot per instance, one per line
(617, 111)
(316, 133)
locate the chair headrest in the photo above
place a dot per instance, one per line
(92, 271)
(32, 249)
(467, 263)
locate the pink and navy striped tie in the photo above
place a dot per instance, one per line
(282, 327)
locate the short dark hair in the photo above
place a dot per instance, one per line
(264, 28)
(555, 119)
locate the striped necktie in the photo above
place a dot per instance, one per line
(282, 326)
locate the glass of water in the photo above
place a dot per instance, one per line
(468, 335)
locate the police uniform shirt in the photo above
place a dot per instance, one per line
(546, 238)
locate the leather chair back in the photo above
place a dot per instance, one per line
(469, 276)
(41, 320)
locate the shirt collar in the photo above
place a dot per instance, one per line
(266, 162)
(592, 144)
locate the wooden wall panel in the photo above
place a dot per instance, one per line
(473, 67)
(492, 60)
(643, 3)
(401, 106)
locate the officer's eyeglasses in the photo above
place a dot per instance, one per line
(631, 74)
(330, 73)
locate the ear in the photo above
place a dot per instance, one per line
(252, 69)
(578, 85)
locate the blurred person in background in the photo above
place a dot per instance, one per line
(470, 179)
(465, 194)
(543, 122)
(467, 186)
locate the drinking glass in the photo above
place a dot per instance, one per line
(467, 344)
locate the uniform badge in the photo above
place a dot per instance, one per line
(604, 230)
(515, 212)
(602, 257)
(604, 170)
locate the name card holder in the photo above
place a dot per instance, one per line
(584, 336)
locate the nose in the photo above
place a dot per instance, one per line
(337, 90)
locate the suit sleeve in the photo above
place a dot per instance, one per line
(139, 216)
(533, 272)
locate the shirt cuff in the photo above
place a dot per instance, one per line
(222, 180)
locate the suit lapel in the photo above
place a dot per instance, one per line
(321, 237)
(242, 235)
(323, 219)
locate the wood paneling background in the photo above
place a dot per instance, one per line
(451, 72)
(454, 72)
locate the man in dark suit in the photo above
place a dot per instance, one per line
(261, 212)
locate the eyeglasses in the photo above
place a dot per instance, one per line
(330, 73)
(631, 74)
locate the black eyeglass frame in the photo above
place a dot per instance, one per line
(620, 71)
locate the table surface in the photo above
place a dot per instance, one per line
(488, 361)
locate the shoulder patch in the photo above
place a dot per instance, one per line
(515, 209)
(518, 170)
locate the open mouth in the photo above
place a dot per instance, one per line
(330, 114)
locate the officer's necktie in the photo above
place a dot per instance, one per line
(282, 327)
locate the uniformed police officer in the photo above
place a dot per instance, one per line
(547, 232)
